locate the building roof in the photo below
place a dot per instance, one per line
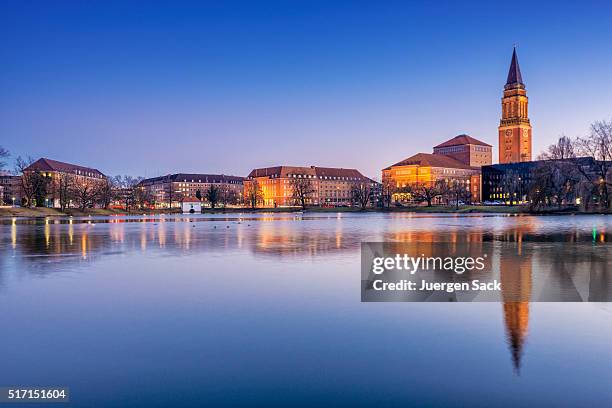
(45, 164)
(514, 74)
(462, 140)
(287, 171)
(433, 160)
(194, 178)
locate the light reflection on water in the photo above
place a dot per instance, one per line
(236, 309)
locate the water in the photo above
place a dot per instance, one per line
(264, 310)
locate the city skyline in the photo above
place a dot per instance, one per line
(225, 89)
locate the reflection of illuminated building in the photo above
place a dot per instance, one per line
(516, 279)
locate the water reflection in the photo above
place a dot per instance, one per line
(533, 243)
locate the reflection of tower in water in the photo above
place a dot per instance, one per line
(515, 276)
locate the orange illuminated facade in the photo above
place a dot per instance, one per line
(514, 127)
(458, 159)
(329, 186)
(427, 169)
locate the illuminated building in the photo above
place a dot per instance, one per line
(510, 182)
(327, 185)
(456, 160)
(53, 170)
(467, 150)
(173, 189)
(10, 188)
(514, 126)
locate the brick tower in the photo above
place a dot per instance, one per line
(514, 126)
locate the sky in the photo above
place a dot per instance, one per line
(151, 88)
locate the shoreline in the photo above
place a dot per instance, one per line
(12, 212)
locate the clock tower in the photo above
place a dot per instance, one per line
(514, 126)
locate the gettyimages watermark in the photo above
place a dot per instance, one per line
(489, 271)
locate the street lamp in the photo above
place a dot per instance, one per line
(13, 201)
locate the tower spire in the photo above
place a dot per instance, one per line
(514, 74)
(514, 127)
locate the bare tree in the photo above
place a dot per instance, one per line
(362, 194)
(227, 195)
(386, 196)
(598, 144)
(171, 193)
(455, 191)
(64, 185)
(302, 190)
(252, 193)
(428, 191)
(212, 195)
(28, 183)
(142, 196)
(563, 149)
(128, 192)
(4, 154)
(85, 192)
(106, 193)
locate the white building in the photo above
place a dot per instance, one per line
(192, 207)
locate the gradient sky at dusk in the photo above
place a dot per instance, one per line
(148, 88)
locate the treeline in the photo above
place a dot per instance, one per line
(575, 170)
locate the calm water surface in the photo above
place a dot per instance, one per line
(265, 311)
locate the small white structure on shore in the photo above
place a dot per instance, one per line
(192, 207)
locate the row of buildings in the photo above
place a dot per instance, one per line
(462, 161)
(274, 186)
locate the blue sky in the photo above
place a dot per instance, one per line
(148, 88)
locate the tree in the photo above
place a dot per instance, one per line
(107, 193)
(27, 181)
(428, 191)
(64, 184)
(388, 189)
(361, 193)
(563, 149)
(455, 191)
(302, 190)
(199, 195)
(228, 195)
(511, 187)
(598, 144)
(212, 195)
(142, 196)
(555, 179)
(171, 193)
(4, 154)
(128, 192)
(85, 192)
(252, 193)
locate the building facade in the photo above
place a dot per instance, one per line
(467, 150)
(514, 126)
(11, 189)
(510, 183)
(173, 189)
(56, 173)
(456, 160)
(326, 185)
(424, 169)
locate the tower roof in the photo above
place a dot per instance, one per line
(514, 74)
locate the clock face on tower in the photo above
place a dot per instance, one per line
(508, 132)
